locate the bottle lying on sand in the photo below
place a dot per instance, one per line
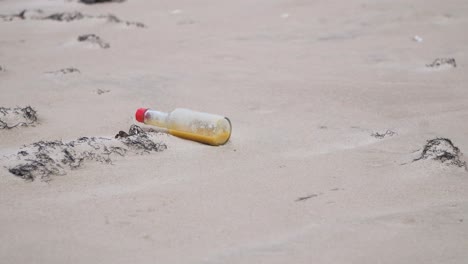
(202, 127)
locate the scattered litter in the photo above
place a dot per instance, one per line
(2, 69)
(94, 39)
(176, 11)
(100, 91)
(285, 15)
(65, 71)
(44, 159)
(38, 14)
(14, 117)
(388, 133)
(442, 61)
(443, 150)
(418, 39)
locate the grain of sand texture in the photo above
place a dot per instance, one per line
(332, 103)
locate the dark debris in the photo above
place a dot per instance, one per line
(300, 199)
(94, 39)
(44, 159)
(114, 19)
(65, 71)
(135, 130)
(89, 2)
(442, 61)
(38, 14)
(443, 150)
(121, 134)
(101, 91)
(388, 133)
(66, 16)
(24, 14)
(15, 117)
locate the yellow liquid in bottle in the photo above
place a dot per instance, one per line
(211, 136)
(215, 140)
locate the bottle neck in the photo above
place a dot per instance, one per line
(156, 118)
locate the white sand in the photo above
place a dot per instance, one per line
(304, 83)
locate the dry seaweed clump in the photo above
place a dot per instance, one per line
(24, 14)
(88, 2)
(19, 116)
(443, 61)
(388, 133)
(44, 159)
(443, 150)
(94, 39)
(38, 14)
(65, 16)
(114, 19)
(64, 71)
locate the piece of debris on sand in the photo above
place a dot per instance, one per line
(89, 2)
(38, 14)
(64, 71)
(303, 198)
(114, 19)
(443, 150)
(65, 16)
(17, 117)
(443, 61)
(417, 38)
(101, 91)
(24, 14)
(388, 133)
(44, 159)
(94, 39)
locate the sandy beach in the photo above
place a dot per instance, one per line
(332, 105)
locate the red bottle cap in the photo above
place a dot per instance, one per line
(140, 114)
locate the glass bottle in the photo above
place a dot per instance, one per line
(188, 124)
